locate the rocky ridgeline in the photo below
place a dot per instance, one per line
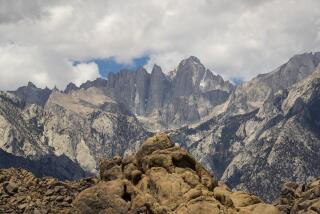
(161, 178)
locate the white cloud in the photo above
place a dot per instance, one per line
(20, 64)
(84, 72)
(168, 61)
(234, 38)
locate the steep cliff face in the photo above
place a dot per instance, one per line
(87, 125)
(20, 135)
(23, 144)
(83, 125)
(162, 102)
(195, 92)
(280, 140)
(265, 132)
(30, 94)
(192, 78)
(252, 94)
(160, 85)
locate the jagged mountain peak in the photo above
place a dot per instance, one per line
(31, 85)
(192, 59)
(302, 92)
(191, 63)
(105, 117)
(297, 68)
(31, 94)
(156, 69)
(193, 76)
(305, 56)
(189, 74)
(271, 129)
(70, 87)
(99, 82)
(157, 74)
(55, 88)
(141, 69)
(251, 95)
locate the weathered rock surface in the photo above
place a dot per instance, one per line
(81, 126)
(160, 178)
(163, 178)
(86, 125)
(103, 118)
(252, 94)
(300, 198)
(21, 192)
(278, 141)
(264, 133)
(162, 102)
(30, 94)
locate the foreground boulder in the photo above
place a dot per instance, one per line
(162, 178)
(300, 198)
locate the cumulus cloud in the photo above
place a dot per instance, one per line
(237, 39)
(20, 64)
(84, 71)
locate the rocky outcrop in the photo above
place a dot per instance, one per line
(300, 198)
(19, 133)
(86, 125)
(267, 128)
(257, 151)
(160, 84)
(81, 126)
(30, 94)
(70, 87)
(21, 192)
(99, 118)
(162, 178)
(162, 102)
(252, 94)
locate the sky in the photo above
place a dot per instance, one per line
(54, 42)
(107, 65)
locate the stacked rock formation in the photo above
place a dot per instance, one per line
(162, 178)
(300, 198)
(21, 192)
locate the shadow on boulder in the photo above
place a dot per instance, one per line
(60, 167)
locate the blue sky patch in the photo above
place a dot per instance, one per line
(237, 81)
(110, 65)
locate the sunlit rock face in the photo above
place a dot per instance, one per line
(161, 101)
(252, 94)
(276, 138)
(253, 136)
(83, 125)
(163, 178)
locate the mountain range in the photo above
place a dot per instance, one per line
(254, 136)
